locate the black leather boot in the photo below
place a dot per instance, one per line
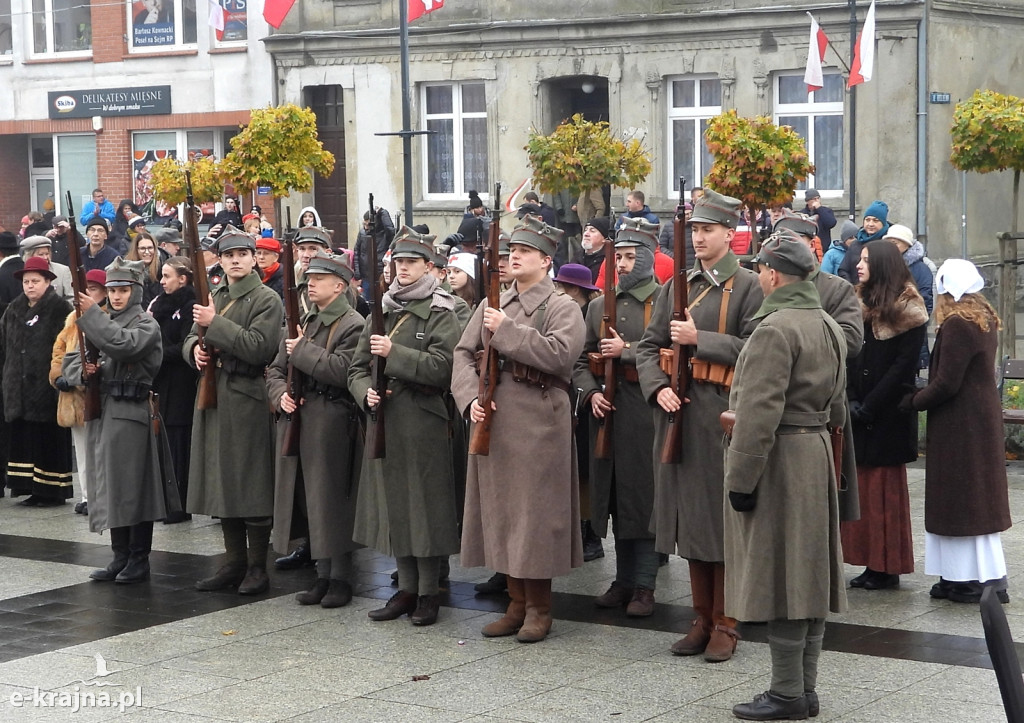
(120, 538)
(297, 559)
(232, 573)
(139, 547)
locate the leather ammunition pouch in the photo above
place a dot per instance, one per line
(328, 392)
(523, 373)
(128, 390)
(700, 371)
(596, 362)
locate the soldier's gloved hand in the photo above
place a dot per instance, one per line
(62, 384)
(743, 502)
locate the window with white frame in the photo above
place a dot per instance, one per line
(455, 152)
(692, 102)
(148, 147)
(6, 24)
(161, 24)
(818, 118)
(61, 26)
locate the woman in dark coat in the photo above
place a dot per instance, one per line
(966, 502)
(885, 437)
(175, 383)
(119, 232)
(39, 464)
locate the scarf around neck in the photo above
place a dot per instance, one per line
(427, 286)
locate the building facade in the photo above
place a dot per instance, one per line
(484, 75)
(93, 93)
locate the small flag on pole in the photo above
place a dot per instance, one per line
(864, 51)
(419, 8)
(815, 55)
(274, 11)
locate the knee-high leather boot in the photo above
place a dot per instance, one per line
(702, 586)
(514, 615)
(722, 644)
(538, 611)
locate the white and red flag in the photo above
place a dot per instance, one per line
(864, 51)
(274, 11)
(815, 54)
(216, 19)
(419, 8)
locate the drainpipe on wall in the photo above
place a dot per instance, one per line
(922, 126)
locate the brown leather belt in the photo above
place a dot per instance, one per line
(628, 372)
(525, 374)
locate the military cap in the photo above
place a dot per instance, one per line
(786, 252)
(533, 232)
(713, 207)
(122, 272)
(328, 263)
(803, 225)
(409, 244)
(441, 252)
(232, 238)
(503, 241)
(637, 232)
(313, 234)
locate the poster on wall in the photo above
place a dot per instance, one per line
(152, 23)
(143, 165)
(234, 21)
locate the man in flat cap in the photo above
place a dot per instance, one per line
(231, 475)
(783, 558)
(322, 479)
(522, 498)
(688, 496)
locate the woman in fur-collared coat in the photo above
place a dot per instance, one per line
(885, 437)
(40, 458)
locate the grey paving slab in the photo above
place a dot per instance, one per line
(240, 660)
(49, 671)
(162, 685)
(350, 677)
(903, 708)
(429, 654)
(145, 646)
(543, 665)
(252, 701)
(605, 640)
(565, 704)
(680, 684)
(463, 691)
(865, 671)
(366, 710)
(26, 577)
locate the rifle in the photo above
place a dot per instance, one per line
(480, 438)
(375, 442)
(604, 444)
(289, 232)
(679, 379)
(207, 395)
(290, 446)
(86, 350)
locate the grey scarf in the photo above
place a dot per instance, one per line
(643, 269)
(397, 296)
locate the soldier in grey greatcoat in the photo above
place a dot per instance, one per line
(622, 486)
(323, 478)
(522, 499)
(127, 490)
(783, 558)
(231, 475)
(688, 496)
(406, 506)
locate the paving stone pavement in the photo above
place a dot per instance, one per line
(897, 655)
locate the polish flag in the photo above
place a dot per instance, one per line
(864, 51)
(815, 54)
(274, 11)
(216, 18)
(419, 8)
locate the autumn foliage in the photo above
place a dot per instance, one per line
(581, 155)
(756, 161)
(988, 133)
(167, 180)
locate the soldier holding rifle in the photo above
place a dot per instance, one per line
(622, 473)
(688, 495)
(232, 470)
(522, 499)
(322, 478)
(407, 500)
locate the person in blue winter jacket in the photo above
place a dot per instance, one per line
(834, 254)
(636, 207)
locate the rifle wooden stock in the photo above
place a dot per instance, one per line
(604, 443)
(376, 445)
(290, 445)
(480, 438)
(206, 398)
(679, 379)
(86, 350)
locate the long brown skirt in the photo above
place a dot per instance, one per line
(880, 539)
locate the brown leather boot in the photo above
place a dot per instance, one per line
(229, 575)
(724, 636)
(514, 615)
(339, 594)
(255, 581)
(401, 603)
(642, 604)
(427, 607)
(315, 594)
(538, 611)
(702, 586)
(696, 640)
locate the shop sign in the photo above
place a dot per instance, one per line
(140, 100)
